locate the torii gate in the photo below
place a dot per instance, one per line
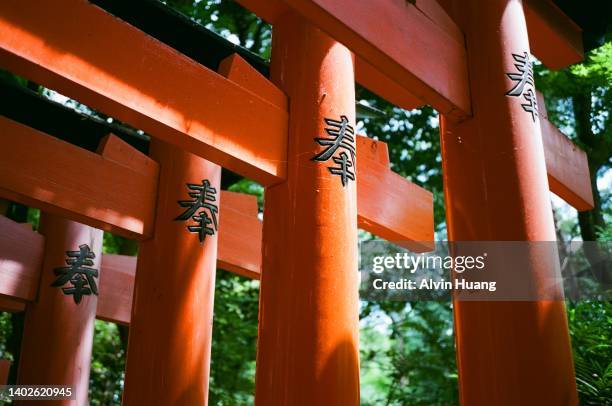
(307, 349)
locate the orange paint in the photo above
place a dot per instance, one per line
(240, 72)
(21, 255)
(553, 37)
(117, 288)
(396, 38)
(308, 315)
(496, 189)
(168, 358)
(11, 305)
(388, 205)
(567, 165)
(240, 235)
(106, 191)
(72, 46)
(58, 333)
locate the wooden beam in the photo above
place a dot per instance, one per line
(239, 71)
(109, 191)
(83, 52)
(58, 329)
(379, 83)
(11, 305)
(553, 37)
(495, 185)
(419, 48)
(388, 205)
(567, 165)
(117, 275)
(239, 235)
(21, 252)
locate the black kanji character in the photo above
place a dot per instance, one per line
(524, 84)
(82, 278)
(342, 136)
(204, 196)
(202, 227)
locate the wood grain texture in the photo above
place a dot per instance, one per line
(240, 232)
(240, 72)
(116, 288)
(83, 52)
(553, 37)
(107, 192)
(58, 333)
(418, 47)
(567, 166)
(388, 205)
(21, 251)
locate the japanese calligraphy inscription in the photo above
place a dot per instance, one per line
(341, 138)
(78, 274)
(201, 209)
(524, 84)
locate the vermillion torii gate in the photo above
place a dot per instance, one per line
(493, 156)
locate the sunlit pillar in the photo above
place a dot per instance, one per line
(168, 358)
(496, 189)
(308, 324)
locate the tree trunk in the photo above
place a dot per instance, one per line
(592, 221)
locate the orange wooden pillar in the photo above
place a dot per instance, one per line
(308, 322)
(59, 324)
(5, 366)
(509, 353)
(168, 358)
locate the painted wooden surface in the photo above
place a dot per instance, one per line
(240, 233)
(389, 206)
(21, 251)
(423, 53)
(52, 175)
(553, 37)
(168, 355)
(11, 305)
(83, 52)
(567, 165)
(307, 350)
(496, 189)
(240, 72)
(116, 288)
(5, 366)
(58, 333)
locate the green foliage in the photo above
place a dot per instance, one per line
(230, 20)
(6, 329)
(251, 188)
(413, 141)
(234, 340)
(410, 358)
(107, 365)
(588, 84)
(407, 349)
(591, 332)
